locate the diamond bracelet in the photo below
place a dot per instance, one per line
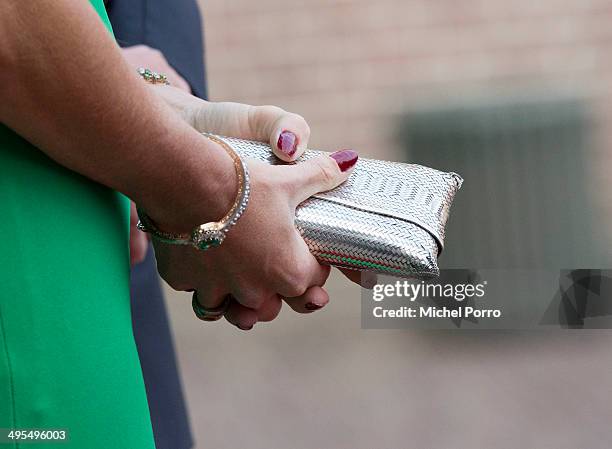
(212, 234)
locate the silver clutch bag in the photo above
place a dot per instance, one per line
(388, 217)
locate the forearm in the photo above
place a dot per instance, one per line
(65, 87)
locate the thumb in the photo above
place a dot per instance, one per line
(288, 133)
(321, 173)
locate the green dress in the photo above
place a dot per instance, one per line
(67, 353)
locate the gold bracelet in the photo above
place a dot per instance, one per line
(207, 235)
(152, 77)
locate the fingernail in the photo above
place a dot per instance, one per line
(287, 143)
(312, 306)
(345, 159)
(245, 328)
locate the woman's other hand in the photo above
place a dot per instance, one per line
(286, 132)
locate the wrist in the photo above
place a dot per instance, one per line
(204, 192)
(181, 102)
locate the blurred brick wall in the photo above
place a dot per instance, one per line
(350, 67)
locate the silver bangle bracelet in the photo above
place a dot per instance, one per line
(212, 234)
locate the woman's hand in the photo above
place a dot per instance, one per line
(286, 133)
(263, 259)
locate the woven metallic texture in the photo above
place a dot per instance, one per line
(388, 217)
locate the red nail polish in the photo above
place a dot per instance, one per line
(312, 306)
(287, 143)
(345, 159)
(245, 328)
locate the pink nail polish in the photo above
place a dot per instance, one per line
(287, 143)
(345, 159)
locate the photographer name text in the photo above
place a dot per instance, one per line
(449, 300)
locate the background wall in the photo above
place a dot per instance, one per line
(353, 69)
